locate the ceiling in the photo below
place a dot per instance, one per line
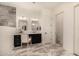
(49, 5)
(33, 5)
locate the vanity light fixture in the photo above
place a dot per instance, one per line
(34, 19)
(22, 18)
(33, 24)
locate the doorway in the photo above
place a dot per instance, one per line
(76, 30)
(59, 29)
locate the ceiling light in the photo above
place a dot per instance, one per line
(34, 2)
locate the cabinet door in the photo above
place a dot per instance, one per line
(59, 28)
(76, 40)
(17, 40)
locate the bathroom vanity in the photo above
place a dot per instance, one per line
(20, 40)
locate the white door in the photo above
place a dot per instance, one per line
(76, 39)
(59, 29)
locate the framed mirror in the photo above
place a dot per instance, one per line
(22, 25)
(35, 26)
